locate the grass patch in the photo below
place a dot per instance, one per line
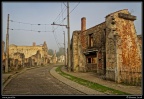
(91, 85)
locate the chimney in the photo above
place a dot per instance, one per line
(83, 24)
(34, 44)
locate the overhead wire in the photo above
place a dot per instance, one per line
(29, 30)
(67, 14)
(54, 29)
(55, 37)
(65, 17)
(27, 23)
(61, 13)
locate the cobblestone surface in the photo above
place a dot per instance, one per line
(38, 81)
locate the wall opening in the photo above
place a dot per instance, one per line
(91, 62)
(90, 42)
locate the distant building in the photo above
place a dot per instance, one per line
(61, 59)
(28, 55)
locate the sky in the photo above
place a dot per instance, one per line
(31, 21)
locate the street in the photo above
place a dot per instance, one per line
(38, 81)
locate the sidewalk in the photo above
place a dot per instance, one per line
(90, 76)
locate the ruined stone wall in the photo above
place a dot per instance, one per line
(83, 40)
(81, 57)
(111, 60)
(34, 55)
(27, 50)
(140, 43)
(17, 61)
(98, 32)
(74, 51)
(80, 45)
(119, 50)
(38, 56)
(45, 49)
(78, 58)
(98, 35)
(100, 62)
(36, 59)
(123, 59)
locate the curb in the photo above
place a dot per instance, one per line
(81, 88)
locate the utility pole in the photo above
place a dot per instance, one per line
(68, 28)
(64, 50)
(7, 46)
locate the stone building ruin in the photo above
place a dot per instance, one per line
(26, 56)
(111, 49)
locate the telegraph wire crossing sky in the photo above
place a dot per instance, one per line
(31, 21)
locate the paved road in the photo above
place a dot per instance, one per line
(38, 81)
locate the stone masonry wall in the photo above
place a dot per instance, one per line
(140, 43)
(124, 62)
(78, 58)
(17, 61)
(34, 55)
(130, 62)
(98, 35)
(27, 50)
(81, 57)
(98, 43)
(74, 50)
(111, 60)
